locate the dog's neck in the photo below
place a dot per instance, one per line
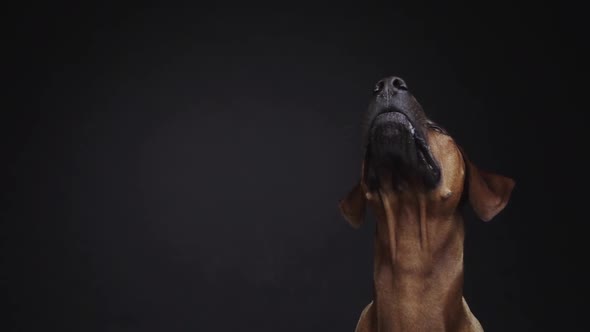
(418, 270)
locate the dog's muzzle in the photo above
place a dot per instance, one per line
(398, 148)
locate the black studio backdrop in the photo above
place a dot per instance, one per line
(179, 168)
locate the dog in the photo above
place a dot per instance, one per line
(415, 178)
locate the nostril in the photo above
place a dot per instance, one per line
(379, 86)
(399, 84)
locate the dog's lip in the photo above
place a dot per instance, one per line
(382, 113)
(423, 149)
(389, 112)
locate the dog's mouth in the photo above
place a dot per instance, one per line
(399, 149)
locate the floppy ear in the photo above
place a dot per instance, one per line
(488, 193)
(353, 206)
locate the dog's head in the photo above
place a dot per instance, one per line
(406, 152)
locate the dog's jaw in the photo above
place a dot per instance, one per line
(398, 149)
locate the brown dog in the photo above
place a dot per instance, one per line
(415, 177)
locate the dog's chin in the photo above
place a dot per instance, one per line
(398, 151)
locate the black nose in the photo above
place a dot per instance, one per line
(390, 84)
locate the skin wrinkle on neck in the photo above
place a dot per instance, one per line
(424, 245)
(409, 267)
(390, 221)
(398, 213)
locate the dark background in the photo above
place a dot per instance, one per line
(179, 168)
